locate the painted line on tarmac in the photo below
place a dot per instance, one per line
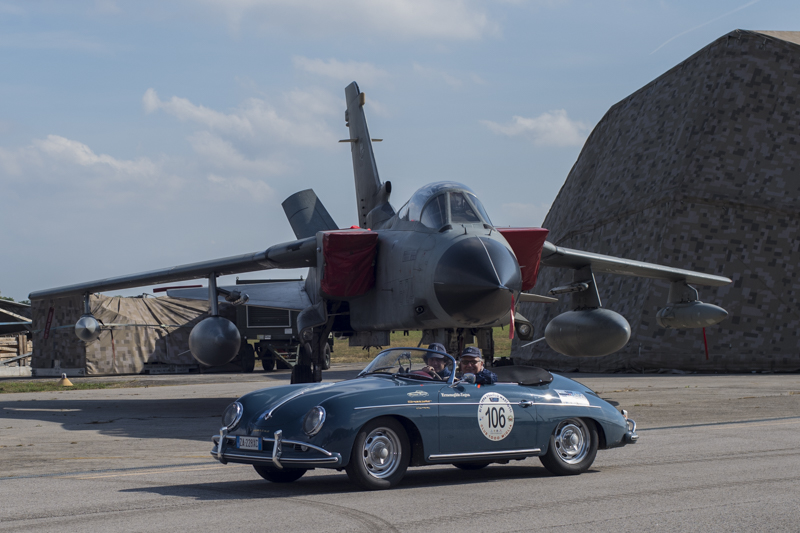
(760, 421)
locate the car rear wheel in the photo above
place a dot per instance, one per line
(279, 475)
(573, 447)
(381, 454)
(471, 466)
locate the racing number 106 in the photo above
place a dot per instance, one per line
(496, 417)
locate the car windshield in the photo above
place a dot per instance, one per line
(413, 363)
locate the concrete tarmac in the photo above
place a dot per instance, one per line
(716, 453)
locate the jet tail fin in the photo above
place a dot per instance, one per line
(372, 196)
(307, 215)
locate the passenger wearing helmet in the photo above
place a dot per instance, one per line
(471, 361)
(437, 362)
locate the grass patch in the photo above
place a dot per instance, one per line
(342, 353)
(53, 386)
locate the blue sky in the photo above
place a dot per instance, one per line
(137, 135)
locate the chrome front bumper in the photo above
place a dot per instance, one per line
(275, 451)
(631, 437)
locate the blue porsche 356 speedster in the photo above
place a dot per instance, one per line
(398, 413)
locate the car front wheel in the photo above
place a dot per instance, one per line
(573, 447)
(381, 454)
(276, 475)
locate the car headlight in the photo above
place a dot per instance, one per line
(232, 415)
(313, 421)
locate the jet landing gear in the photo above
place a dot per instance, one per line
(314, 357)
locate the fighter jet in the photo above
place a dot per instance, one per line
(438, 264)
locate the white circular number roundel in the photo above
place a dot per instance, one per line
(495, 416)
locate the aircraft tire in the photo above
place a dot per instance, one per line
(248, 355)
(573, 447)
(267, 359)
(326, 357)
(381, 454)
(302, 374)
(285, 475)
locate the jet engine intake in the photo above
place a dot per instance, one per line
(690, 315)
(588, 332)
(214, 341)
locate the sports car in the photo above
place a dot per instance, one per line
(398, 413)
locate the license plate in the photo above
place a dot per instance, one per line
(248, 443)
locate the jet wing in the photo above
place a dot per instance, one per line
(556, 256)
(290, 295)
(295, 254)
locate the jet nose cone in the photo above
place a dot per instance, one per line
(474, 280)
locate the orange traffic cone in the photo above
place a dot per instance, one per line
(64, 381)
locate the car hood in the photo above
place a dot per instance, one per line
(293, 400)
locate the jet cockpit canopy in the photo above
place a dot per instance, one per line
(444, 202)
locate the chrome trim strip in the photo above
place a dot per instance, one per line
(318, 461)
(397, 405)
(295, 395)
(442, 404)
(277, 449)
(484, 455)
(298, 443)
(267, 440)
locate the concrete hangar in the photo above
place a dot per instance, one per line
(700, 169)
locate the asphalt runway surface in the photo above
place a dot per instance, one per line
(715, 453)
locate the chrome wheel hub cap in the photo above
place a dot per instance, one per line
(381, 453)
(572, 441)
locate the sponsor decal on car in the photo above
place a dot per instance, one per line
(417, 394)
(572, 397)
(495, 416)
(455, 395)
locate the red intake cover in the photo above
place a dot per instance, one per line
(349, 262)
(527, 244)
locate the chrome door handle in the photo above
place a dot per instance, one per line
(525, 403)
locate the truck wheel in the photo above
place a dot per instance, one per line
(326, 357)
(248, 355)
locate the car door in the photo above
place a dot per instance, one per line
(486, 418)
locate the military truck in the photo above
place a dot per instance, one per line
(270, 335)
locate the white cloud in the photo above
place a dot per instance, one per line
(222, 155)
(403, 19)
(302, 124)
(56, 171)
(183, 109)
(238, 187)
(553, 128)
(364, 73)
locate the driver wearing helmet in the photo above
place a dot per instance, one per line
(436, 363)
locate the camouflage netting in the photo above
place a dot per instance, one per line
(698, 170)
(122, 349)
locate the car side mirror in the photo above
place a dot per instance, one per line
(468, 378)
